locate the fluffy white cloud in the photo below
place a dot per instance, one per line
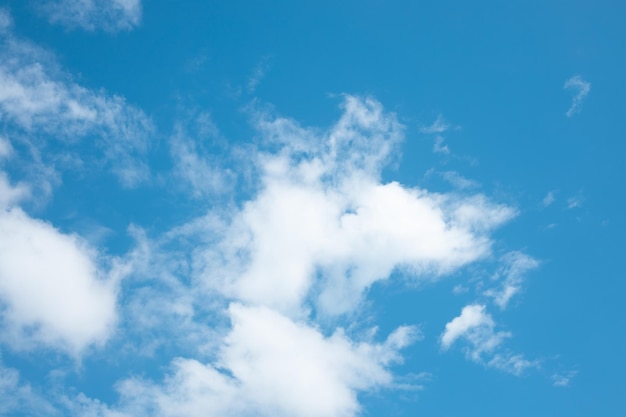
(472, 317)
(324, 225)
(581, 89)
(51, 290)
(39, 100)
(270, 365)
(477, 328)
(109, 15)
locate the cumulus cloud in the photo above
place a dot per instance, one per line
(483, 343)
(91, 15)
(40, 101)
(322, 210)
(51, 289)
(581, 89)
(270, 365)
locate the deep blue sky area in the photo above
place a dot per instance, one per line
(312, 209)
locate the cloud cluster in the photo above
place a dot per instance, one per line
(270, 365)
(91, 15)
(335, 228)
(320, 228)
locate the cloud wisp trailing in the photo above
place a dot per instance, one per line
(581, 89)
(40, 103)
(91, 15)
(483, 343)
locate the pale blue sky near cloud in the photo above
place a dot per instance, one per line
(327, 209)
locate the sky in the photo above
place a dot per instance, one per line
(312, 209)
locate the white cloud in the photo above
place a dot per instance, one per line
(574, 202)
(483, 343)
(10, 194)
(334, 227)
(6, 21)
(548, 199)
(440, 147)
(563, 379)
(5, 148)
(472, 316)
(458, 180)
(51, 289)
(109, 15)
(257, 75)
(438, 126)
(200, 172)
(270, 365)
(39, 100)
(581, 89)
(19, 398)
(514, 266)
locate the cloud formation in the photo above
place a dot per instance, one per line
(336, 228)
(91, 15)
(511, 276)
(270, 365)
(581, 89)
(39, 101)
(483, 343)
(51, 289)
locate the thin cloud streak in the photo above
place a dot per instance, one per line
(581, 89)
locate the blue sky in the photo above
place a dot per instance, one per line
(311, 209)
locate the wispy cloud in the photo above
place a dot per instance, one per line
(563, 379)
(483, 342)
(574, 202)
(581, 89)
(91, 15)
(548, 199)
(39, 101)
(199, 171)
(440, 146)
(459, 181)
(438, 126)
(258, 74)
(19, 397)
(510, 275)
